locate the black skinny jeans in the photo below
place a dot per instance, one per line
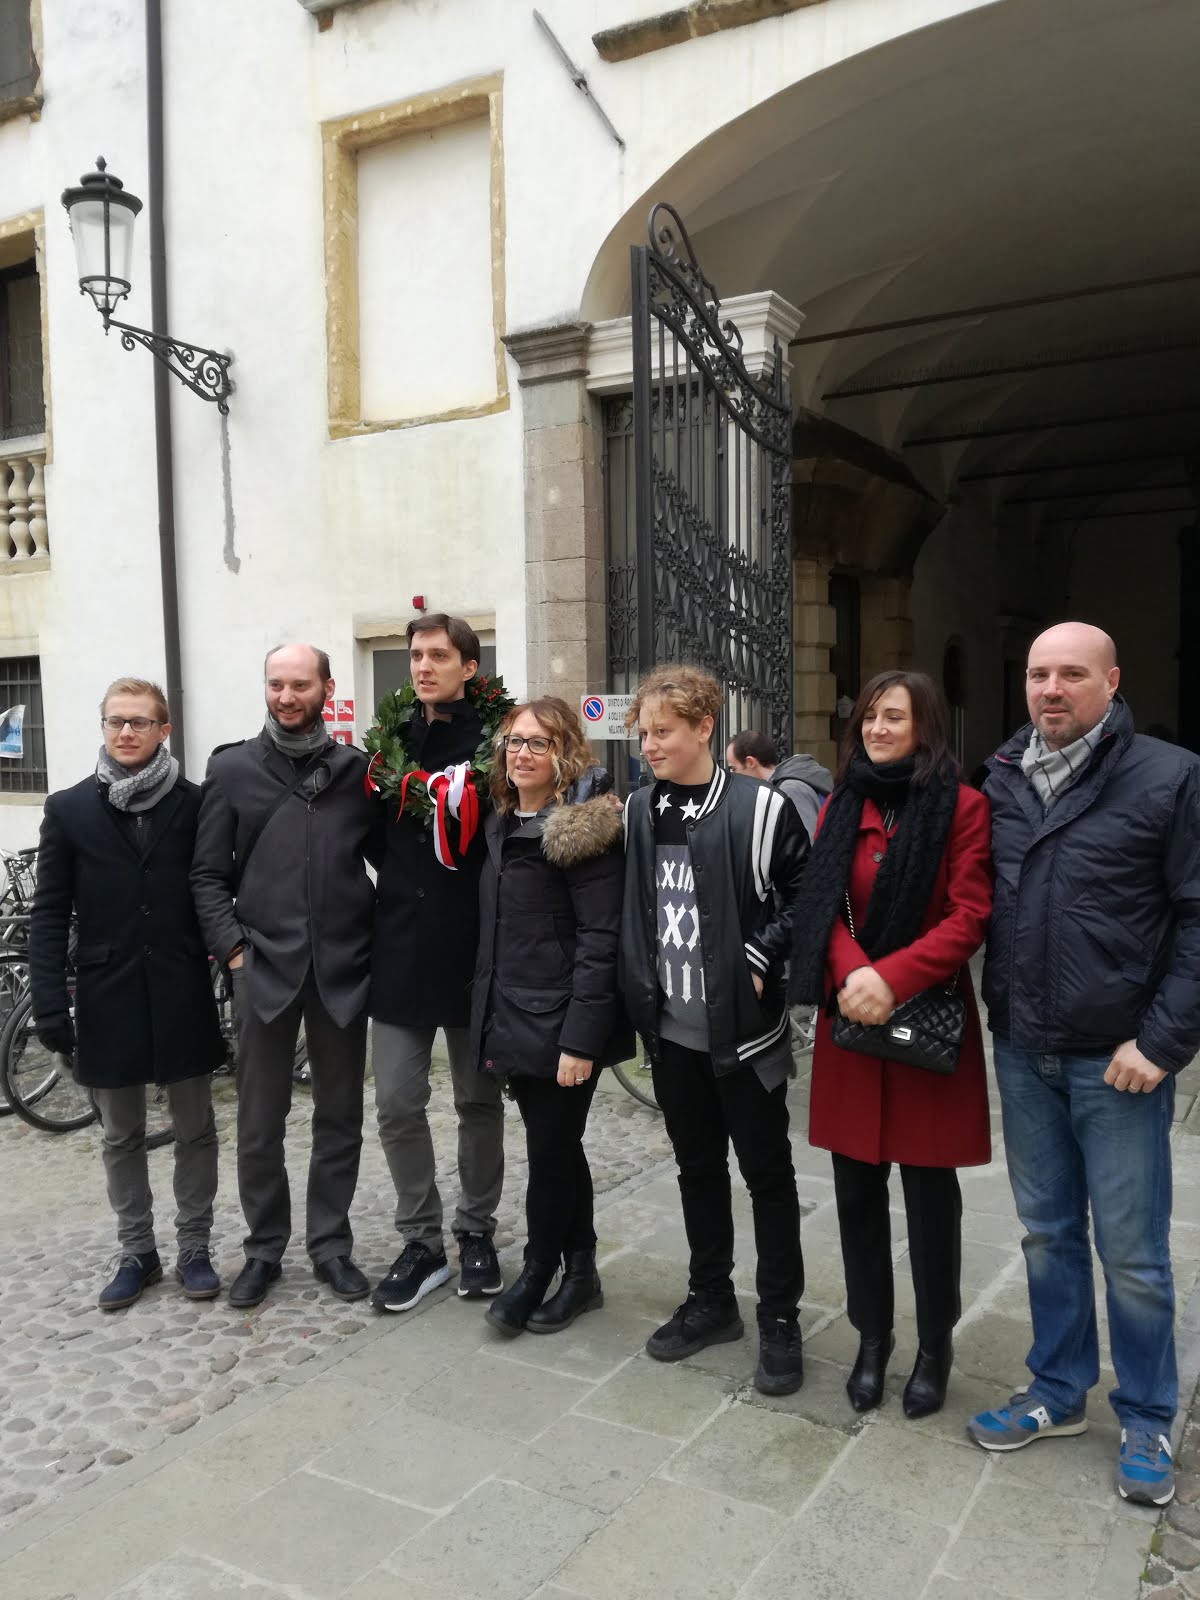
(703, 1113)
(933, 1205)
(558, 1198)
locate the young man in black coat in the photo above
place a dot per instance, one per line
(281, 886)
(426, 934)
(115, 850)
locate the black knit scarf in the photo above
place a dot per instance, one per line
(903, 884)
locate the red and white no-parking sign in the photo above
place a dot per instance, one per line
(604, 715)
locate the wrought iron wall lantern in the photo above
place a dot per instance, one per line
(102, 213)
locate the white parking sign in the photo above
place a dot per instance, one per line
(604, 715)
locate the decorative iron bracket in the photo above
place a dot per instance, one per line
(205, 372)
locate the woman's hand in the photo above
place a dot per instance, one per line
(866, 997)
(573, 1070)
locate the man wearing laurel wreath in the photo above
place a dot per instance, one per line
(429, 742)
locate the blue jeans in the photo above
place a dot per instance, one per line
(1071, 1140)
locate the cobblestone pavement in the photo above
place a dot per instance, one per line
(82, 1392)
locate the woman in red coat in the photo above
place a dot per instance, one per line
(907, 845)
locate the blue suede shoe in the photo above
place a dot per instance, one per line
(1145, 1470)
(134, 1273)
(1020, 1422)
(195, 1272)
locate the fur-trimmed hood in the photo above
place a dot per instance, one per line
(575, 833)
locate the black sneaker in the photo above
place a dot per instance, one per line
(696, 1323)
(414, 1273)
(478, 1269)
(780, 1355)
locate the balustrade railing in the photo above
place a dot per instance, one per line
(23, 533)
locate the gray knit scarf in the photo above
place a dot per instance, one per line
(1052, 772)
(141, 790)
(295, 745)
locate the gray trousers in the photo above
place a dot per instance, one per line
(337, 1062)
(401, 1058)
(123, 1120)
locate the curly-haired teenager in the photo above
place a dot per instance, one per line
(713, 863)
(545, 1013)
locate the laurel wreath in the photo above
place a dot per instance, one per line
(390, 761)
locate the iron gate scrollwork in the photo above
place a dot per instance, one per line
(709, 577)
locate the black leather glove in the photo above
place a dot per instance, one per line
(57, 1034)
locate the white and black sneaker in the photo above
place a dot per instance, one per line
(478, 1269)
(415, 1272)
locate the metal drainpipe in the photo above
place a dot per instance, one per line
(163, 440)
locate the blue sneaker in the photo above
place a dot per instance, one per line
(1145, 1470)
(133, 1274)
(1020, 1422)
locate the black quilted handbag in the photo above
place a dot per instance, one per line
(926, 1031)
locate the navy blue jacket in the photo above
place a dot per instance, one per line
(1095, 930)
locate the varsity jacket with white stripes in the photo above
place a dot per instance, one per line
(748, 849)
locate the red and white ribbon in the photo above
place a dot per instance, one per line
(451, 791)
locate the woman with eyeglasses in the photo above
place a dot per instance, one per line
(545, 1013)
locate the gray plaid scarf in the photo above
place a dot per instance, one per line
(141, 790)
(296, 745)
(1052, 772)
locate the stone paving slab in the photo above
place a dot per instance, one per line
(422, 1455)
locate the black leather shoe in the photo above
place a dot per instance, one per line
(578, 1292)
(509, 1313)
(925, 1391)
(343, 1277)
(865, 1383)
(250, 1286)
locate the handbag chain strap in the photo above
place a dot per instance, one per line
(951, 983)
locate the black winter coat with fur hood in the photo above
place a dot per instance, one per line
(549, 919)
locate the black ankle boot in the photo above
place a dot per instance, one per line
(865, 1383)
(578, 1292)
(925, 1391)
(510, 1311)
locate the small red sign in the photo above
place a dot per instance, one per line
(343, 736)
(343, 711)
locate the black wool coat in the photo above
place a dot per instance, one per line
(550, 916)
(427, 917)
(302, 900)
(144, 1007)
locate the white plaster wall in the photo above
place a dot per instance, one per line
(280, 530)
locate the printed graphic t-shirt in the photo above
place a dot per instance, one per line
(683, 1012)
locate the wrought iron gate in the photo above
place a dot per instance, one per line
(704, 574)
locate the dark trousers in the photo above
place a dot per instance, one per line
(558, 1197)
(933, 1205)
(703, 1113)
(336, 1058)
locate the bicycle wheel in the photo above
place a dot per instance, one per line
(38, 1085)
(634, 1076)
(14, 980)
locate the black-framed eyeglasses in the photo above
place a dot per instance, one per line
(138, 724)
(538, 744)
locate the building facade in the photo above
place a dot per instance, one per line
(969, 226)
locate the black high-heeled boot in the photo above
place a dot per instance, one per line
(509, 1312)
(925, 1391)
(865, 1383)
(578, 1292)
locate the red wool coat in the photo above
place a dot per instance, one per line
(882, 1110)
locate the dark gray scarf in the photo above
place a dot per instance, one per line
(141, 790)
(297, 745)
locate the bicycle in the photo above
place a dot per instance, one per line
(43, 1090)
(635, 1077)
(222, 985)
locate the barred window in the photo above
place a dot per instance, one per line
(22, 730)
(22, 399)
(18, 67)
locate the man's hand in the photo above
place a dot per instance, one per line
(57, 1034)
(757, 982)
(866, 997)
(1129, 1070)
(573, 1070)
(235, 961)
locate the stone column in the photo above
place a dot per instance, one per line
(814, 630)
(886, 627)
(564, 513)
